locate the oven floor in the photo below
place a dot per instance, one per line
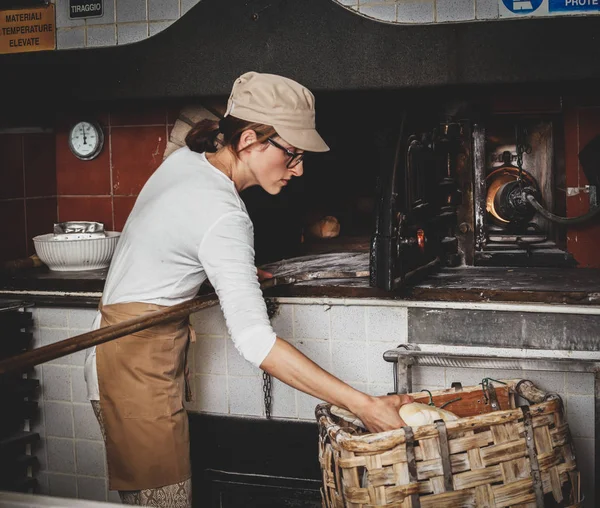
(579, 286)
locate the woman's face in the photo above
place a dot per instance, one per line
(268, 165)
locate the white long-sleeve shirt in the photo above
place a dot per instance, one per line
(189, 223)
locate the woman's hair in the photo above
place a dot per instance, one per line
(204, 136)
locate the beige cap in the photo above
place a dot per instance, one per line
(280, 102)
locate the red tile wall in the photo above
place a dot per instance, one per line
(27, 191)
(582, 124)
(42, 182)
(105, 188)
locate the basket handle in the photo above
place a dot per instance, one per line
(531, 393)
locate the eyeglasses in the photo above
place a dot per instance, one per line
(295, 157)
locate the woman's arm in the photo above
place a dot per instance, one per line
(291, 367)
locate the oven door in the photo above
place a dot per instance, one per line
(416, 198)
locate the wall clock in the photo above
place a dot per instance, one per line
(86, 139)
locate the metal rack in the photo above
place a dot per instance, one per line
(18, 390)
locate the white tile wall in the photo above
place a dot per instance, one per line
(131, 32)
(416, 11)
(71, 450)
(384, 12)
(348, 340)
(150, 17)
(455, 10)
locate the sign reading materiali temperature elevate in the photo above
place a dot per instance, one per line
(25, 30)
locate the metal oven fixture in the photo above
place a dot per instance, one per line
(416, 220)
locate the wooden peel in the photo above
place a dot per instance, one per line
(69, 346)
(65, 347)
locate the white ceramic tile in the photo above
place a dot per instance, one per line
(56, 382)
(92, 489)
(211, 394)
(210, 355)
(186, 5)
(245, 396)
(580, 415)
(78, 386)
(51, 317)
(505, 374)
(580, 383)
(348, 3)
(108, 15)
(306, 406)
(90, 458)
(311, 321)
(156, 27)
(62, 16)
(486, 9)
(455, 10)
(209, 321)
(86, 424)
(282, 322)
(49, 336)
(349, 361)
(62, 485)
(317, 350)
(131, 10)
(387, 324)
(380, 371)
(113, 497)
(70, 38)
(237, 365)
(467, 377)
(548, 381)
(283, 400)
(348, 323)
(380, 389)
(131, 32)
(160, 10)
(61, 456)
(379, 12)
(429, 377)
(59, 419)
(416, 11)
(81, 319)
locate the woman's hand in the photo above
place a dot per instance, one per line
(262, 275)
(381, 413)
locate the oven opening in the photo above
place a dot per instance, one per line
(332, 207)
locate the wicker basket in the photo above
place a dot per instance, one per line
(495, 455)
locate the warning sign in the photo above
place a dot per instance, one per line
(27, 30)
(573, 5)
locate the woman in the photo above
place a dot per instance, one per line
(188, 224)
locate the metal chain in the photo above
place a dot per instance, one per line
(267, 394)
(522, 146)
(272, 308)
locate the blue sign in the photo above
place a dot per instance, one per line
(524, 6)
(573, 5)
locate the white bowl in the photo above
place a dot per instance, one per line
(76, 255)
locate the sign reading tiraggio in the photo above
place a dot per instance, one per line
(24, 30)
(85, 8)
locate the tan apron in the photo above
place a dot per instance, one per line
(142, 380)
